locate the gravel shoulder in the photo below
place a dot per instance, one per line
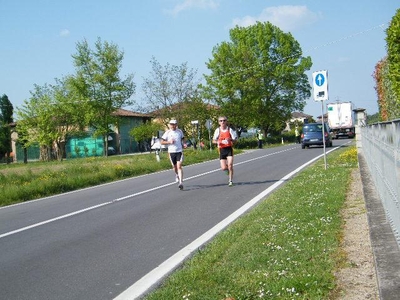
(357, 280)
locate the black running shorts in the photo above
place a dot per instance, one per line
(175, 157)
(225, 152)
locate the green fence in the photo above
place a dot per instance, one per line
(33, 152)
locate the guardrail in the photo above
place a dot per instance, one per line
(381, 149)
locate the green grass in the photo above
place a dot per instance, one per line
(288, 247)
(20, 182)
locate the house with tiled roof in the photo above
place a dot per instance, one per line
(119, 139)
(297, 117)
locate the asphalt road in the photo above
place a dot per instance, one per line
(98, 242)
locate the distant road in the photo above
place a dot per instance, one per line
(97, 242)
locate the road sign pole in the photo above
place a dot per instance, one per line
(209, 126)
(323, 132)
(320, 84)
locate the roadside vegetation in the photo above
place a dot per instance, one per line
(288, 247)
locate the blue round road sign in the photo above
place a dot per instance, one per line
(320, 79)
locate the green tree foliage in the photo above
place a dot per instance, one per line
(51, 115)
(98, 83)
(379, 87)
(36, 120)
(393, 58)
(258, 78)
(168, 86)
(145, 132)
(375, 118)
(383, 87)
(88, 98)
(71, 116)
(196, 110)
(6, 117)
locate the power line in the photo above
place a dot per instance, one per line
(349, 37)
(309, 50)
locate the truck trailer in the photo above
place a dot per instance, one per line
(341, 119)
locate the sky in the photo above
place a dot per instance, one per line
(38, 39)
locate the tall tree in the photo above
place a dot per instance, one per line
(6, 118)
(168, 87)
(393, 58)
(71, 115)
(258, 78)
(99, 84)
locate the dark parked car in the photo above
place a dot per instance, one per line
(312, 135)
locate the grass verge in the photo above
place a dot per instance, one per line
(288, 247)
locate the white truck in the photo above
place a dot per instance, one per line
(341, 119)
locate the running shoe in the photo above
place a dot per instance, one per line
(176, 178)
(230, 183)
(181, 186)
(226, 172)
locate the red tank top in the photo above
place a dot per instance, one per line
(224, 138)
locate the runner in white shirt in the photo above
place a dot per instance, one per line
(174, 139)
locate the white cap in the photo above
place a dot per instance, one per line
(173, 121)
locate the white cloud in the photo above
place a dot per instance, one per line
(64, 32)
(190, 4)
(286, 17)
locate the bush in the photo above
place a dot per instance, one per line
(289, 137)
(246, 143)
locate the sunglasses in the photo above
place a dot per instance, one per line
(222, 120)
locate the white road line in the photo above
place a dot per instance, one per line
(84, 210)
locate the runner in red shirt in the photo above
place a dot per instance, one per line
(224, 137)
